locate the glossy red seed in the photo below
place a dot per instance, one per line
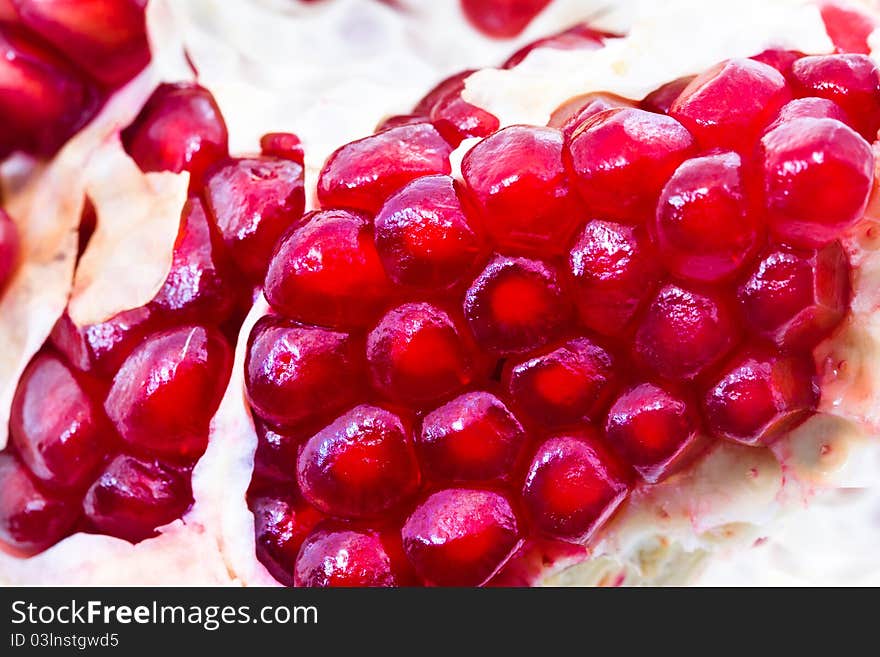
(327, 271)
(56, 425)
(817, 176)
(9, 246)
(285, 145)
(502, 19)
(612, 271)
(850, 80)
(474, 437)
(418, 354)
(572, 487)
(276, 453)
(457, 119)
(133, 497)
(683, 333)
(106, 38)
(297, 373)
(253, 201)
(797, 297)
(620, 159)
(179, 129)
(779, 59)
(652, 428)
(364, 173)
(809, 108)
(343, 558)
(359, 466)
(520, 186)
(453, 83)
(706, 227)
(760, 394)
(460, 537)
(728, 105)
(568, 116)
(424, 237)
(848, 27)
(578, 37)
(281, 524)
(661, 99)
(516, 305)
(165, 393)
(571, 384)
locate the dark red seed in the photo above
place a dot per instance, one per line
(275, 457)
(344, 558)
(661, 99)
(281, 524)
(457, 119)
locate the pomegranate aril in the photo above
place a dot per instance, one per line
(281, 524)
(285, 145)
(729, 105)
(850, 80)
(457, 119)
(683, 333)
(502, 19)
(612, 270)
(343, 558)
(418, 354)
(107, 38)
(568, 385)
(276, 454)
(848, 27)
(520, 186)
(796, 297)
(179, 129)
(461, 537)
(572, 487)
(327, 271)
(706, 228)
(779, 59)
(661, 99)
(9, 247)
(516, 305)
(809, 108)
(453, 83)
(253, 201)
(133, 497)
(56, 425)
(297, 373)
(817, 177)
(568, 116)
(578, 37)
(474, 438)
(164, 395)
(424, 237)
(653, 428)
(361, 465)
(620, 159)
(362, 174)
(30, 519)
(760, 394)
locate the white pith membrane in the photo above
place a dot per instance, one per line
(248, 54)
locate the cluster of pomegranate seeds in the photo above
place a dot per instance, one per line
(457, 375)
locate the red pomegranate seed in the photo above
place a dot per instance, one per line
(343, 558)
(621, 158)
(520, 186)
(297, 373)
(275, 456)
(579, 37)
(809, 108)
(327, 271)
(653, 428)
(796, 298)
(364, 173)
(706, 228)
(516, 305)
(359, 466)
(165, 393)
(179, 129)
(568, 116)
(133, 497)
(729, 105)
(760, 394)
(817, 178)
(572, 487)
(460, 537)
(9, 247)
(43, 100)
(285, 145)
(502, 19)
(106, 38)
(253, 201)
(571, 384)
(661, 99)
(30, 520)
(848, 28)
(281, 525)
(683, 333)
(418, 354)
(56, 425)
(474, 438)
(424, 237)
(201, 285)
(457, 119)
(612, 271)
(779, 59)
(850, 80)
(453, 83)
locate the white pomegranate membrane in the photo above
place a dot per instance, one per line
(461, 382)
